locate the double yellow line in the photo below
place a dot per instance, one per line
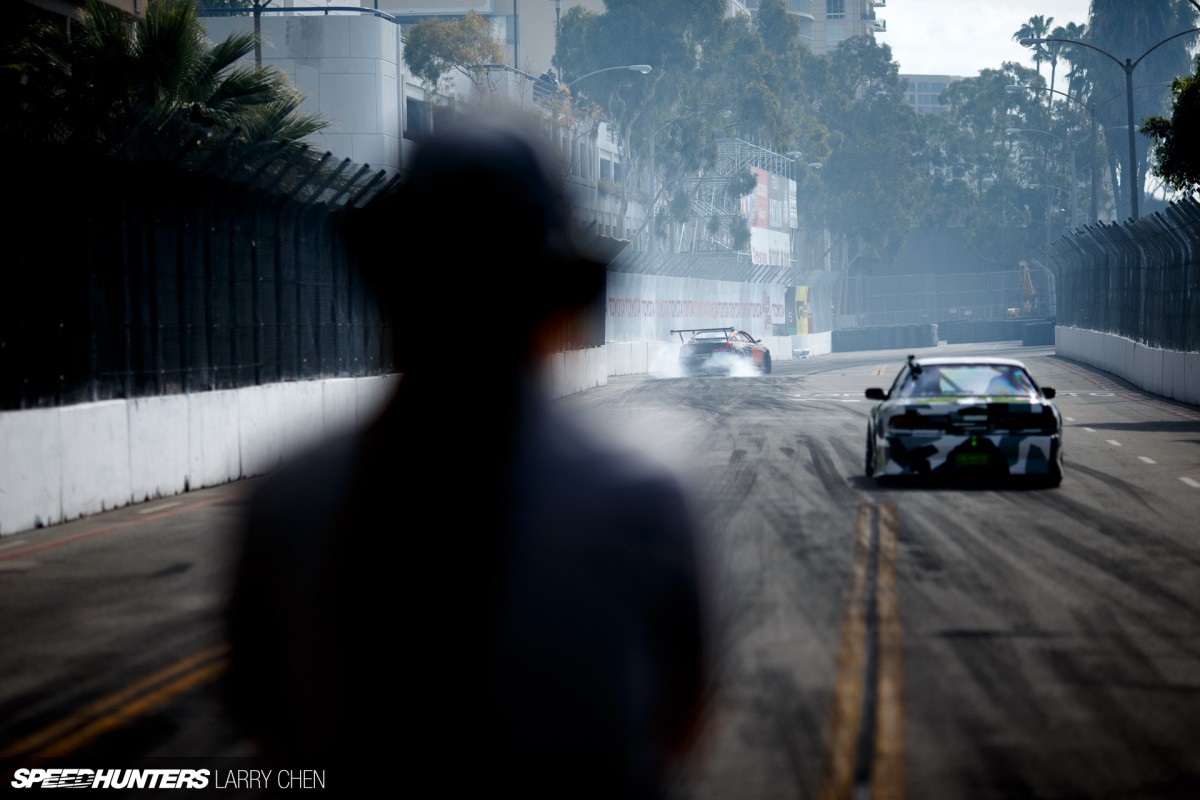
(865, 742)
(120, 708)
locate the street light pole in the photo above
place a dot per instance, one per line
(1129, 65)
(642, 68)
(259, 5)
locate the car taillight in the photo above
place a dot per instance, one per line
(1047, 421)
(915, 423)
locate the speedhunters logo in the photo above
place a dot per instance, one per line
(64, 778)
(213, 779)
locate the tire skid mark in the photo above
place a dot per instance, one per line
(827, 471)
(1117, 569)
(1124, 530)
(1112, 482)
(849, 455)
(791, 719)
(1002, 541)
(864, 754)
(1124, 571)
(1101, 681)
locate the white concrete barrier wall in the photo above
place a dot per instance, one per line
(1168, 373)
(59, 464)
(95, 456)
(62, 463)
(158, 447)
(30, 469)
(814, 344)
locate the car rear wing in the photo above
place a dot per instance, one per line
(682, 331)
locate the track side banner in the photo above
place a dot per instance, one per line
(643, 308)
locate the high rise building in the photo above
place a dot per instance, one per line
(924, 91)
(826, 23)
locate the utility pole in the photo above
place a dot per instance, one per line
(259, 5)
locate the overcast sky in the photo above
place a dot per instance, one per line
(961, 37)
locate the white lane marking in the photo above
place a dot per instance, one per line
(158, 508)
(1147, 460)
(1089, 430)
(1191, 483)
(1069, 419)
(1113, 442)
(827, 396)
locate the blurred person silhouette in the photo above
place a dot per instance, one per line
(474, 593)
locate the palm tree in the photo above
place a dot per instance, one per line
(150, 88)
(1069, 31)
(1037, 27)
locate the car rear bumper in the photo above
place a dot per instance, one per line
(999, 454)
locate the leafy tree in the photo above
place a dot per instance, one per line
(871, 186)
(980, 176)
(1176, 158)
(434, 48)
(151, 87)
(735, 95)
(652, 113)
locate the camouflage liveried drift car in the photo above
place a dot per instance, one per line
(965, 416)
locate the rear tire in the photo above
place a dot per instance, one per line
(766, 364)
(869, 466)
(1054, 476)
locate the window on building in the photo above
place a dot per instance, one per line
(835, 9)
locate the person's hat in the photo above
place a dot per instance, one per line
(484, 197)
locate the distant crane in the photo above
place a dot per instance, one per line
(1029, 301)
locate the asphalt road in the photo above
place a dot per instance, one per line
(897, 641)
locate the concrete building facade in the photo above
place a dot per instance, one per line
(924, 91)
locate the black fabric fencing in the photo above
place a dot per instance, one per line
(878, 300)
(1140, 279)
(123, 282)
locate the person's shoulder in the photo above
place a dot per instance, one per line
(307, 489)
(574, 446)
(599, 483)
